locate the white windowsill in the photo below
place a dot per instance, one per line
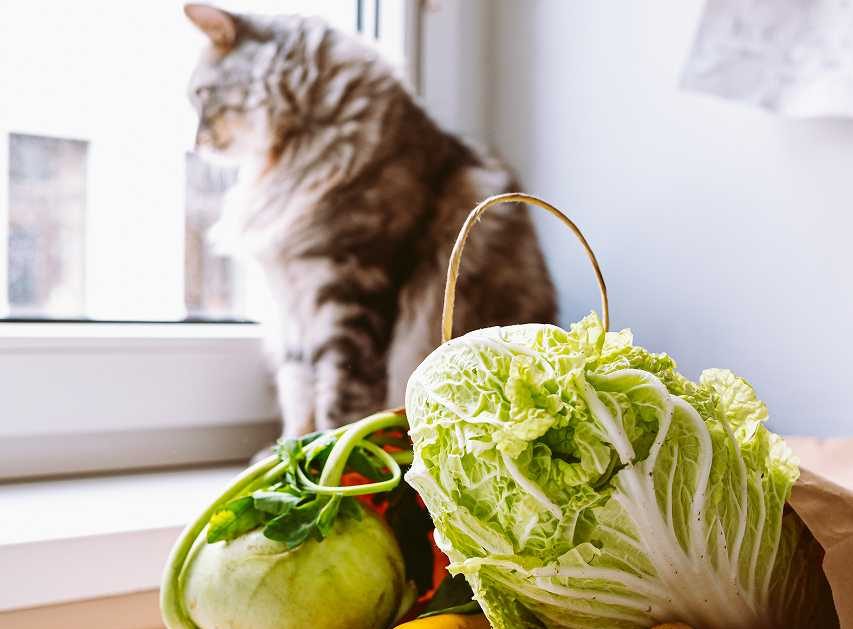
(26, 332)
(84, 397)
(78, 539)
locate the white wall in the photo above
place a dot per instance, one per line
(726, 234)
(454, 84)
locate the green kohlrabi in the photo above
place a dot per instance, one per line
(578, 480)
(287, 547)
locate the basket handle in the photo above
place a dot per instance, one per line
(473, 217)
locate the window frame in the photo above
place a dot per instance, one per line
(186, 393)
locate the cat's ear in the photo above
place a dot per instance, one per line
(220, 26)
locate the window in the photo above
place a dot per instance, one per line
(104, 205)
(104, 209)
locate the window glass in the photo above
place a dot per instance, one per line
(103, 205)
(47, 211)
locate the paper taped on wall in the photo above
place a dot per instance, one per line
(794, 57)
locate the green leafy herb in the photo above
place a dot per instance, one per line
(326, 516)
(237, 517)
(289, 452)
(292, 507)
(277, 502)
(313, 519)
(297, 525)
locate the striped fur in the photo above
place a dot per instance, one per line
(350, 197)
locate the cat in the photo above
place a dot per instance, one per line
(350, 198)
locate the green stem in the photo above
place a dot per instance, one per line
(403, 457)
(171, 597)
(337, 461)
(358, 490)
(389, 440)
(316, 446)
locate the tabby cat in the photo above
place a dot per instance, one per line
(350, 198)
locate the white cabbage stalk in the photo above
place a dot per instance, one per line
(580, 481)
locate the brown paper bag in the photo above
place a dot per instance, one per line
(827, 509)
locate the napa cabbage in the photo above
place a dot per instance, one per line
(578, 480)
